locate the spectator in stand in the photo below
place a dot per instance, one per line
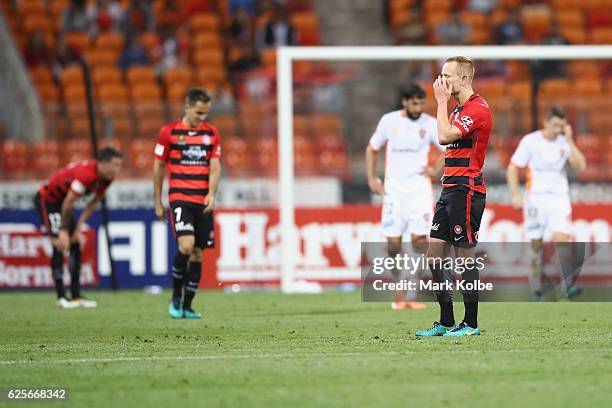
(74, 18)
(65, 55)
(414, 32)
(170, 14)
(133, 54)
(171, 51)
(137, 19)
(242, 29)
(482, 6)
(249, 6)
(453, 31)
(511, 31)
(104, 16)
(278, 31)
(191, 7)
(249, 60)
(37, 53)
(552, 68)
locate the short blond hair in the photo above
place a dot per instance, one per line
(465, 66)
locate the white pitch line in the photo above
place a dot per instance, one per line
(255, 356)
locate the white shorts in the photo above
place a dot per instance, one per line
(545, 214)
(408, 213)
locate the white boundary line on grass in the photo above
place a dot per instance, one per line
(243, 356)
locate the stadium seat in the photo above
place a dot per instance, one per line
(141, 151)
(110, 41)
(120, 127)
(140, 75)
(574, 34)
(107, 76)
(45, 156)
(579, 69)
(31, 7)
(149, 41)
(212, 75)
(302, 124)
(149, 127)
(35, 22)
(71, 75)
(79, 41)
(600, 123)
(305, 159)
(267, 156)
(98, 58)
(178, 75)
(41, 75)
(203, 22)
(399, 18)
(209, 57)
(227, 125)
(48, 92)
(207, 40)
(327, 124)
(305, 21)
(14, 159)
(536, 22)
(79, 148)
(569, 18)
(268, 57)
(588, 87)
(554, 87)
(113, 100)
(437, 6)
(602, 36)
(237, 158)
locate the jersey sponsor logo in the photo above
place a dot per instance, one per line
(181, 226)
(194, 153)
(457, 228)
(159, 149)
(467, 120)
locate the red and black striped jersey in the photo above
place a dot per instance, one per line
(79, 177)
(188, 152)
(463, 159)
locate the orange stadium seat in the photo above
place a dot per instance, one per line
(399, 18)
(14, 159)
(45, 156)
(602, 36)
(121, 128)
(474, 19)
(38, 22)
(227, 125)
(113, 100)
(41, 75)
(302, 124)
(267, 156)
(48, 92)
(327, 124)
(176, 92)
(554, 87)
(31, 7)
(600, 123)
(106, 76)
(305, 159)
(141, 151)
(204, 22)
(584, 69)
(75, 100)
(588, 87)
(268, 57)
(305, 21)
(101, 58)
(80, 148)
(140, 74)
(212, 75)
(110, 41)
(569, 18)
(573, 5)
(431, 6)
(237, 159)
(79, 41)
(178, 75)
(208, 57)
(149, 127)
(149, 41)
(72, 75)
(574, 34)
(207, 40)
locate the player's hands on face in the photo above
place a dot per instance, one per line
(160, 212)
(63, 240)
(209, 202)
(517, 202)
(376, 186)
(441, 88)
(567, 131)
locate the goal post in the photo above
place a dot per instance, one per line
(287, 55)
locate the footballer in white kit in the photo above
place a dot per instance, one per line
(407, 193)
(547, 209)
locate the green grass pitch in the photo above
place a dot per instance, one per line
(266, 349)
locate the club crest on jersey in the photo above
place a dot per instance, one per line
(457, 229)
(181, 139)
(194, 153)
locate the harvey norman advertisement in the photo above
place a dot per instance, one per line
(248, 245)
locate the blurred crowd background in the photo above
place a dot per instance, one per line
(144, 54)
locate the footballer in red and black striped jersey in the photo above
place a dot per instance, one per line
(189, 150)
(55, 201)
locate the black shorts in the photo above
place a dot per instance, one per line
(190, 219)
(457, 216)
(51, 216)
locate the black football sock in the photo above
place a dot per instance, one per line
(470, 297)
(192, 282)
(57, 270)
(74, 266)
(444, 297)
(179, 267)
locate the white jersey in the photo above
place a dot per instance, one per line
(407, 149)
(545, 160)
